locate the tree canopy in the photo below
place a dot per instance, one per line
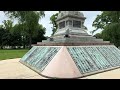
(109, 22)
(25, 32)
(53, 22)
(29, 21)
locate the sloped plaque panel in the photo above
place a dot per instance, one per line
(39, 57)
(111, 55)
(88, 59)
(82, 60)
(92, 59)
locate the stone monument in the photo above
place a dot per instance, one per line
(71, 52)
(71, 30)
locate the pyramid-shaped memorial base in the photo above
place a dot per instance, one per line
(71, 61)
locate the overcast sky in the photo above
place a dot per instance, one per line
(90, 17)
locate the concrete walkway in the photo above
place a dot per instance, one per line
(13, 69)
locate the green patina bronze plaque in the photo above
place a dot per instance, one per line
(91, 59)
(39, 57)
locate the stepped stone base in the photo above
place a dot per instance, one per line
(71, 44)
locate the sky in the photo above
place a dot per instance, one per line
(90, 17)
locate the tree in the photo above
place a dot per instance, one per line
(19, 28)
(112, 33)
(40, 34)
(1, 26)
(2, 32)
(98, 35)
(16, 36)
(4, 37)
(53, 22)
(8, 24)
(109, 22)
(29, 20)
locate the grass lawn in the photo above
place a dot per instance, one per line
(10, 54)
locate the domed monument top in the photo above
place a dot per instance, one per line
(72, 21)
(76, 14)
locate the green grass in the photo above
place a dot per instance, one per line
(10, 54)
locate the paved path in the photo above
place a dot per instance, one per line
(13, 69)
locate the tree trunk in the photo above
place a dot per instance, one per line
(30, 41)
(24, 46)
(1, 46)
(24, 42)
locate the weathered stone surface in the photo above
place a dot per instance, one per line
(70, 33)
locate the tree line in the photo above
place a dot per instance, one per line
(26, 32)
(109, 23)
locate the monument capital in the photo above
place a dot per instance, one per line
(72, 20)
(75, 14)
